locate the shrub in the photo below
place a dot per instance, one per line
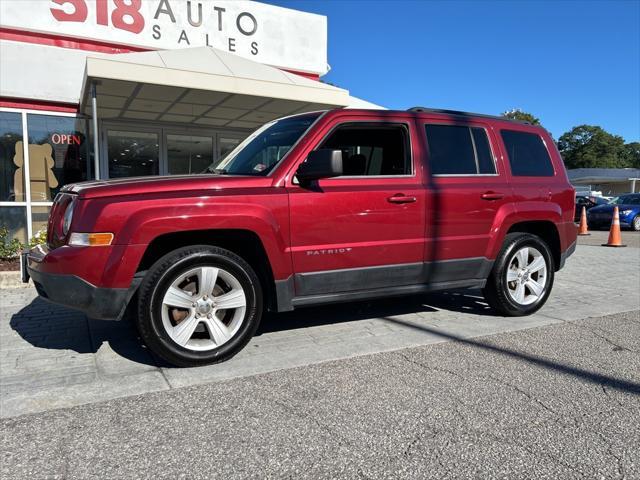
(9, 250)
(39, 238)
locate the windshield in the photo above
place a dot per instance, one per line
(626, 200)
(261, 151)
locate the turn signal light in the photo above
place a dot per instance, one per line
(90, 239)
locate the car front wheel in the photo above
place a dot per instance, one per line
(636, 223)
(522, 276)
(199, 305)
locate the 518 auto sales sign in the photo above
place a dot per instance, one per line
(265, 33)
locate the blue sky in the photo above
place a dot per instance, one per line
(567, 62)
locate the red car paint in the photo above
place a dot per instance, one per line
(347, 223)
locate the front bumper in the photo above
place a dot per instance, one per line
(75, 292)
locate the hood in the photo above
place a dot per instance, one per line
(164, 184)
(609, 208)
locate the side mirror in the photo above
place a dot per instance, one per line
(323, 163)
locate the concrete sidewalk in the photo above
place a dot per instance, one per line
(51, 357)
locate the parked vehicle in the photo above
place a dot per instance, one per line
(628, 208)
(588, 203)
(312, 209)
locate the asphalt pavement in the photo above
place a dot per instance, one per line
(557, 401)
(53, 357)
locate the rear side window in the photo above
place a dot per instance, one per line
(459, 150)
(527, 154)
(372, 150)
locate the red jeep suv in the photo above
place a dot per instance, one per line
(311, 209)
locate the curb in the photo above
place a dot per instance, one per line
(13, 280)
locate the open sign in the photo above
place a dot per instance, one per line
(64, 139)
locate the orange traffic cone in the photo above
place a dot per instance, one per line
(583, 229)
(615, 239)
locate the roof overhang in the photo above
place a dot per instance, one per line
(203, 86)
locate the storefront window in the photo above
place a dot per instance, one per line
(58, 154)
(189, 153)
(14, 219)
(39, 218)
(132, 154)
(226, 144)
(11, 171)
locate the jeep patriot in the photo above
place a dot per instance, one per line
(311, 209)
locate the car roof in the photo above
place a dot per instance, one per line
(455, 115)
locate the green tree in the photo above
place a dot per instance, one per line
(517, 114)
(590, 146)
(632, 154)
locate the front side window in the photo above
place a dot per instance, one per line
(459, 150)
(527, 154)
(371, 150)
(261, 151)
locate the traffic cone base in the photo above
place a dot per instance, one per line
(583, 229)
(615, 238)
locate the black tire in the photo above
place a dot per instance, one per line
(635, 223)
(496, 289)
(159, 278)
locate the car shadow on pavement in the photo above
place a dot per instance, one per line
(50, 326)
(462, 301)
(585, 375)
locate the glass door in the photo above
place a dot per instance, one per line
(132, 153)
(227, 142)
(188, 153)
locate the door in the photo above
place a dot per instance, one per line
(468, 187)
(131, 152)
(188, 151)
(364, 229)
(227, 142)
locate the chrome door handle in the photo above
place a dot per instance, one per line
(492, 196)
(401, 198)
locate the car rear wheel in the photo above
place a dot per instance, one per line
(522, 276)
(636, 223)
(199, 305)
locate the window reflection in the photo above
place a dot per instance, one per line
(11, 176)
(132, 154)
(188, 153)
(58, 154)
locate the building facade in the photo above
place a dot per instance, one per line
(609, 181)
(108, 89)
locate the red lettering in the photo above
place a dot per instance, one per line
(79, 13)
(55, 138)
(102, 12)
(75, 139)
(131, 10)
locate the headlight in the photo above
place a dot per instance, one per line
(626, 212)
(68, 216)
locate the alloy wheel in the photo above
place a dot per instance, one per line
(203, 308)
(526, 276)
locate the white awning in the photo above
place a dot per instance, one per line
(202, 86)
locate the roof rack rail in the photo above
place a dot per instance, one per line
(459, 113)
